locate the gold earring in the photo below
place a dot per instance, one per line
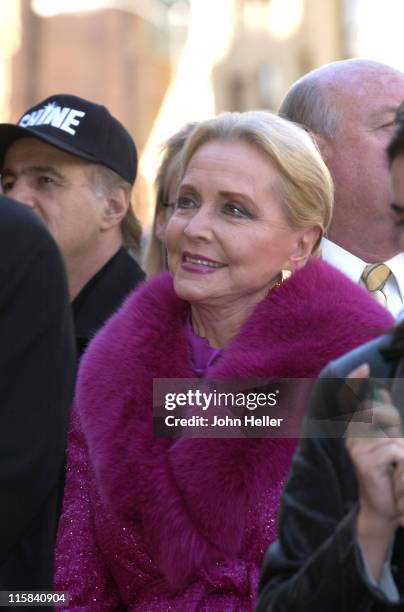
(285, 274)
(282, 276)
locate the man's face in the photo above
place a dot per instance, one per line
(358, 164)
(57, 186)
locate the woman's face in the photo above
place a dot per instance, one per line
(228, 238)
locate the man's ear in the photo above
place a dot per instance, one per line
(306, 241)
(324, 145)
(116, 205)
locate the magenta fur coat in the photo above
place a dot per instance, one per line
(153, 524)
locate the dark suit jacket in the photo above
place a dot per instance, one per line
(315, 565)
(36, 386)
(102, 296)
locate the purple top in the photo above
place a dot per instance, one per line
(203, 356)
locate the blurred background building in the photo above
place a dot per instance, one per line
(157, 64)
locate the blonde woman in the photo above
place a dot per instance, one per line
(152, 524)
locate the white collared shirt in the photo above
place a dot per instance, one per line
(353, 266)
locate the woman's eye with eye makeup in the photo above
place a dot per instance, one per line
(236, 210)
(184, 203)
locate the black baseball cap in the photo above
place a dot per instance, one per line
(79, 127)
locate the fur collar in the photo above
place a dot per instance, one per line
(194, 496)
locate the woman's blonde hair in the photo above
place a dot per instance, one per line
(305, 185)
(168, 171)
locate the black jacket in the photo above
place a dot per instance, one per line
(102, 296)
(315, 566)
(37, 367)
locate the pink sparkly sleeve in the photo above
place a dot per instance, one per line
(80, 568)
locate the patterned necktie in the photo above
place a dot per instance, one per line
(374, 278)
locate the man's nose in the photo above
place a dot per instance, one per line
(22, 193)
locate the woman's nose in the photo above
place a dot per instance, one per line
(200, 225)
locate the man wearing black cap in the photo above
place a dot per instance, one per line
(74, 165)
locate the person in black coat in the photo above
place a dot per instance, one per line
(341, 524)
(317, 563)
(37, 369)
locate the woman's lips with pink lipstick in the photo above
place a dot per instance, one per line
(200, 264)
